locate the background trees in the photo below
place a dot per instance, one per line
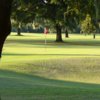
(21, 14)
(66, 15)
(87, 26)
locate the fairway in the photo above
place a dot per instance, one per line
(31, 70)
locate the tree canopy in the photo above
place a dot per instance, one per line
(66, 14)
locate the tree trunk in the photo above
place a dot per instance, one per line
(66, 33)
(59, 33)
(5, 24)
(94, 35)
(19, 30)
(97, 17)
(1, 46)
(4, 32)
(2, 40)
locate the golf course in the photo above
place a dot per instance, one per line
(31, 69)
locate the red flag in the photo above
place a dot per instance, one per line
(45, 30)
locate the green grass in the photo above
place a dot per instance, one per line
(29, 70)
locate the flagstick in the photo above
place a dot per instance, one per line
(45, 33)
(45, 41)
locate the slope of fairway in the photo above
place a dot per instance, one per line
(31, 70)
(15, 86)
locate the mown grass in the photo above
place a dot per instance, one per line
(29, 70)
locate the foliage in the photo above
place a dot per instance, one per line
(67, 14)
(87, 25)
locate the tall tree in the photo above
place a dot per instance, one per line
(5, 25)
(97, 13)
(54, 10)
(21, 14)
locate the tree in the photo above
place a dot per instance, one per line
(92, 6)
(54, 10)
(97, 14)
(62, 13)
(87, 26)
(21, 14)
(5, 25)
(67, 13)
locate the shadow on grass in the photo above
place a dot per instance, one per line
(18, 54)
(25, 85)
(22, 77)
(53, 44)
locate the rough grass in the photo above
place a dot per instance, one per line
(29, 70)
